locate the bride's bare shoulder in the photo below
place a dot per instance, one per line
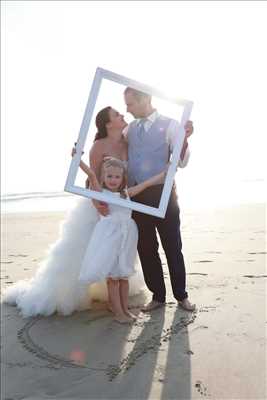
(98, 146)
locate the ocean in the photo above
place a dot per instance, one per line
(198, 195)
(37, 202)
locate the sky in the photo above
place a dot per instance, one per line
(212, 53)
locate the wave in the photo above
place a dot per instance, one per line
(37, 202)
(33, 195)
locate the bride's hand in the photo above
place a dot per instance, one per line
(74, 151)
(101, 207)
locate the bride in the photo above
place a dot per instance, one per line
(55, 286)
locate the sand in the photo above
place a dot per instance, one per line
(217, 352)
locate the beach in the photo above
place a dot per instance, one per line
(216, 352)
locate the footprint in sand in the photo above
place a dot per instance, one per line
(17, 255)
(207, 308)
(203, 261)
(259, 252)
(197, 273)
(201, 388)
(6, 262)
(189, 352)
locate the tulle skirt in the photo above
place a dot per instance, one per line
(55, 286)
(112, 250)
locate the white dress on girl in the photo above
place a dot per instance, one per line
(112, 250)
(56, 287)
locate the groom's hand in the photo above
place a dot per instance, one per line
(188, 132)
(188, 129)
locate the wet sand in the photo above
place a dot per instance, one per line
(217, 352)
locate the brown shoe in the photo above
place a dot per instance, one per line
(186, 305)
(153, 305)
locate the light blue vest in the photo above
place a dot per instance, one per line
(148, 155)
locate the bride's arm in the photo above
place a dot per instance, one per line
(94, 184)
(82, 164)
(96, 157)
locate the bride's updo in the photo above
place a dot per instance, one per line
(102, 119)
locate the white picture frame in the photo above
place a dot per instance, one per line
(100, 75)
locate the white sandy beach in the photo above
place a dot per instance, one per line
(218, 352)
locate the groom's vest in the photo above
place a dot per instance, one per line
(147, 155)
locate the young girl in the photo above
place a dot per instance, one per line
(112, 249)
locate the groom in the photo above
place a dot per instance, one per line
(151, 138)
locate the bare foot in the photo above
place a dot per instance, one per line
(123, 319)
(109, 307)
(131, 315)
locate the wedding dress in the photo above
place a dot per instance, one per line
(55, 286)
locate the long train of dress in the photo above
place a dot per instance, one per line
(55, 286)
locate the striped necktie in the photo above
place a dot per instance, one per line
(141, 128)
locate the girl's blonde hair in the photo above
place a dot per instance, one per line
(115, 162)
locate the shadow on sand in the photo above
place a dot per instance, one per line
(88, 355)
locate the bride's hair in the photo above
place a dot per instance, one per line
(115, 162)
(101, 121)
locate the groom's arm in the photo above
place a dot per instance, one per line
(172, 137)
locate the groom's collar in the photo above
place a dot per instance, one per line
(150, 118)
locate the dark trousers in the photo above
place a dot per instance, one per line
(169, 233)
